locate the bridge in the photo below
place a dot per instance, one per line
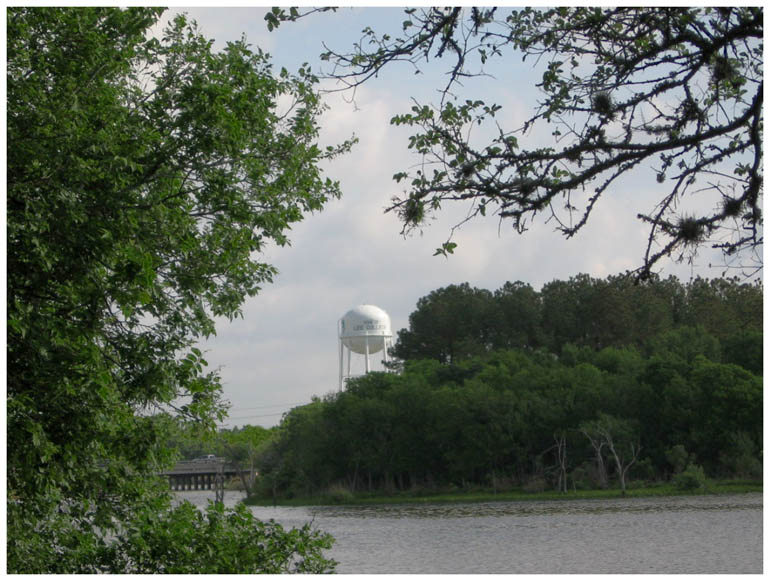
(199, 474)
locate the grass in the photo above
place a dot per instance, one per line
(714, 487)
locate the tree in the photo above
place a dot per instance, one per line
(568, 307)
(621, 439)
(724, 306)
(676, 89)
(145, 175)
(745, 349)
(449, 324)
(560, 446)
(597, 444)
(730, 401)
(685, 344)
(240, 448)
(519, 318)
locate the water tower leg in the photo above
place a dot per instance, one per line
(341, 356)
(366, 342)
(384, 349)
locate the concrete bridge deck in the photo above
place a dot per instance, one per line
(199, 474)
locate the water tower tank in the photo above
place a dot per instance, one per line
(364, 330)
(363, 325)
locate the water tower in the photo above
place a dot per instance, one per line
(364, 330)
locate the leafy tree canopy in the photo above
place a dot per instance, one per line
(145, 175)
(491, 420)
(678, 90)
(457, 322)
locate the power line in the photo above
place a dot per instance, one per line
(276, 405)
(257, 416)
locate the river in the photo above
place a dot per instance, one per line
(684, 534)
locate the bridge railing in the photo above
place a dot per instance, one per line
(200, 474)
(205, 466)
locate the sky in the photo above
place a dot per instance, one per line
(284, 350)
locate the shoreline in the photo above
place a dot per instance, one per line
(712, 488)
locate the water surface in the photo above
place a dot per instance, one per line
(687, 534)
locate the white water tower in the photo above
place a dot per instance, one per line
(364, 330)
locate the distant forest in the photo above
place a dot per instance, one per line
(588, 383)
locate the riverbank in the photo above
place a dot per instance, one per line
(714, 487)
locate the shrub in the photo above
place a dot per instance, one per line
(678, 457)
(582, 477)
(340, 493)
(534, 484)
(691, 478)
(742, 458)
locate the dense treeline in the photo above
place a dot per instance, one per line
(671, 381)
(459, 321)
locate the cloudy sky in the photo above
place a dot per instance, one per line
(284, 350)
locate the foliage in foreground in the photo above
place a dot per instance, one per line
(180, 540)
(668, 96)
(219, 541)
(146, 173)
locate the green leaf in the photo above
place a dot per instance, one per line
(446, 249)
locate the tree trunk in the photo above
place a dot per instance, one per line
(354, 480)
(619, 463)
(597, 444)
(245, 481)
(561, 457)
